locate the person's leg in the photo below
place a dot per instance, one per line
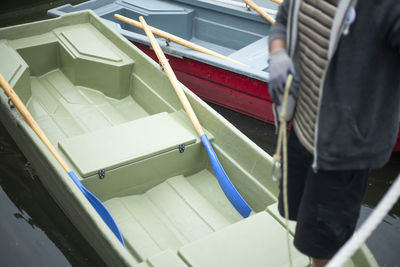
(328, 212)
(299, 160)
(319, 262)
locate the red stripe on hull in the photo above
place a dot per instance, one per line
(397, 145)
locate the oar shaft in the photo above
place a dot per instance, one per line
(171, 76)
(260, 11)
(31, 121)
(229, 189)
(176, 39)
(279, 2)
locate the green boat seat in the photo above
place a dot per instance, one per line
(16, 71)
(273, 210)
(126, 143)
(166, 258)
(260, 234)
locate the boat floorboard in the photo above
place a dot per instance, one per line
(63, 110)
(172, 214)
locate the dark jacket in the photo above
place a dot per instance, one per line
(359, 108)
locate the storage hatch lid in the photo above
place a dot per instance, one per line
(126, 143)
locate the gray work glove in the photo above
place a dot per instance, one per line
(280, 65)
(290, 106)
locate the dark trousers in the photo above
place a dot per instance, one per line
(325, 204)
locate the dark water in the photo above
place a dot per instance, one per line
(33, 229)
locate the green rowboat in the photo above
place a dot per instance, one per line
(114, 117)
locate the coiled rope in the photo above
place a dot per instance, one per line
(369, 225)
(282, 145)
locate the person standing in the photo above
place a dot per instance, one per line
(345, 57)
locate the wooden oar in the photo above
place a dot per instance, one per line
(260, 11)
(177, 39)
(229, 189)
(96, 203)
(279, 2)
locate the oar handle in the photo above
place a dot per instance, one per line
(279, 2)
(31, 121)
(176, 39)
(172, 78)
(260, 11)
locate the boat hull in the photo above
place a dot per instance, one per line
(114, 117)
(231, 90)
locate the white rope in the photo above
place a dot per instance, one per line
(282, 145)
(356, 241)
(285, 164)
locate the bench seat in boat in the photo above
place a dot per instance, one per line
(260, 234)
(120, 145)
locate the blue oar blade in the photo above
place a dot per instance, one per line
(229, 189)
(99, 207)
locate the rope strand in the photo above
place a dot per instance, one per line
(366, 229)
(282, 145)
(369, 225)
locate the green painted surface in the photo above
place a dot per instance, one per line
(166, 258)
(273, 211)
(176, 212)
(119, 145)
(256, 241)
(105, 105)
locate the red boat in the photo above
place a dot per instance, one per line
(223, 87)
(397, 145)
